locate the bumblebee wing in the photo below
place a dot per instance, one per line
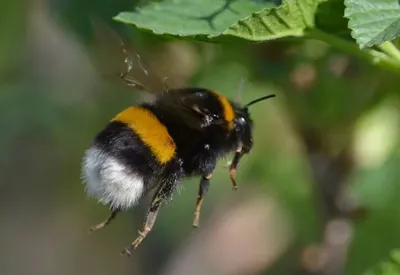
(118, 60)
(191, 107)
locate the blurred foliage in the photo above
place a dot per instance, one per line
(389, 267)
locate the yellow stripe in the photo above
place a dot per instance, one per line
(229, 113)
(150, 130)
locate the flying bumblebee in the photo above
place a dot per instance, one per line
(153, 146)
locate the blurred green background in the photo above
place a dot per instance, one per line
(326, 150)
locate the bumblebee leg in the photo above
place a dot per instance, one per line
(203, 187)
(107, 221)
(132, 82)
(151, 216)
(129, 80)
(148, 225)
(232, 169)
(166, 87)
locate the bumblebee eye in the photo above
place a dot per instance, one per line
(241, 120)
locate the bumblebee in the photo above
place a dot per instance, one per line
(153, 146)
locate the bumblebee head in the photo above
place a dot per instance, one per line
(244, 124)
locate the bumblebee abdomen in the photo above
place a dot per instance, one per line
(110, 180)
(120, 167)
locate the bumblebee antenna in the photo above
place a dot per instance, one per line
(241, 88)
(258, 100)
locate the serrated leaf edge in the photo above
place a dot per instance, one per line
(296, 32)
(293, 32)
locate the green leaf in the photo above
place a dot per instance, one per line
(219, 20)
(373, 22)
(388, 267)
(191, 17)
(290, 19)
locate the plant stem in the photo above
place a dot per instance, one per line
(383, 59)
(390, 49)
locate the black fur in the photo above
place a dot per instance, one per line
(195, 121)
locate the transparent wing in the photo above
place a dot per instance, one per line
(190, 107)
(118, 60)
